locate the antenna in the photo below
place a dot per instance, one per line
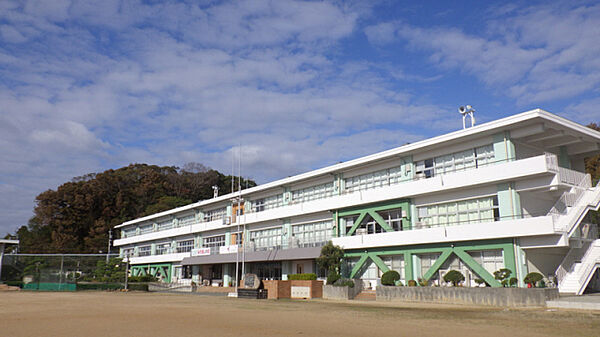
(464, 111)
(215, 191)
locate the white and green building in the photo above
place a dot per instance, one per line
(511, 193)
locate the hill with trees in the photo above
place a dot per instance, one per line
(76, 217)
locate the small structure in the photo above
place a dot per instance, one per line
(252, 288)
(3, 244)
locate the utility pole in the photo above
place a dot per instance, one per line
(109, 241)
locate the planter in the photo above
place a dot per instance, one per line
(504, 297)
(294, 289)
(331, 292)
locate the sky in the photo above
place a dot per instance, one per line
(87, 86)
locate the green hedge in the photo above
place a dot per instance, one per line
(389, 278)
(303, 277)
(99, 286)
(14, 284)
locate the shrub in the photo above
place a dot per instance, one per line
(412, 283)
(399, 283)
(138, 287)
(344, 282)
(513, 281)
(303, 277)
(142, 278)
(423, 282)
(479, 281)
(454, 277)
(332, 277)
(389, 278)
(503, 275)
(533, 278)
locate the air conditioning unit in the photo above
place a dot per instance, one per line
(361, 231)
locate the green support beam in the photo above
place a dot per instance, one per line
(380, 221)
(477, 268)
(360, 218)
(358, 265)
(379, 262)
(438, 263)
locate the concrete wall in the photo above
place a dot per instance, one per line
(504, 297)
(342, 293)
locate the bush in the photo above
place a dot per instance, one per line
(399, 283)
(344, 282)
(454, 277)
(513, 282)
(332, 277)
(99, 286)
(423, 282)
(389, 278)
(303, 277)
(533, 278)
(142, 278)
(138, 287)
(14, 284)
(480, 281)
(412, 283)
(503, 276)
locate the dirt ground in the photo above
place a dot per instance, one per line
(153, 314)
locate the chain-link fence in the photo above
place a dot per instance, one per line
(62, 272)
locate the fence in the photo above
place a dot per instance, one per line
(59, 272)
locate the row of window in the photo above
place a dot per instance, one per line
(459, 212)
(472, 158)
(183, 246)
(458, 161)
(392, 217)
(377, 179)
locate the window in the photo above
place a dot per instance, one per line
(426, 261)
(266, 238)
(374, 179)
(145, 229)
(460, 212)
(128, 232)
(395, 262)
(267, 203)
(214, 241)
(164, 225)
(128, 252)
(311, 234)
(187, 220)
(313, 193)
(393, 218)
(144, 251)
(163, 248)
(215, 214)
(491, 260)
(458, 161)
(185, 246)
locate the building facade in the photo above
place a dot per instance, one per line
(511, 193)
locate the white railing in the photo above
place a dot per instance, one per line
(572, 177)
(568, 264)
(590, 259)
(570, 198)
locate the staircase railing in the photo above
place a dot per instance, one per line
(592, 254)
(570, 199)
(567, 264)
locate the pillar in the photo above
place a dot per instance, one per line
(196, 273)
(509, 202)
(226, 274)
(286, 269)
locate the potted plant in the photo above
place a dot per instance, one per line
(532, 279)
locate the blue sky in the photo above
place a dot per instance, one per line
(86, 86)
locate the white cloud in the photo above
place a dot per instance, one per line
(101, 85)
(538, 54)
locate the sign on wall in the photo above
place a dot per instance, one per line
(200, 251)
(228, 249)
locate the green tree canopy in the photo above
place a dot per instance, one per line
(77, 216)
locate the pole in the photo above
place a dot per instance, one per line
(126, 272)
(60, 279)
(1, 257)
(109, 240)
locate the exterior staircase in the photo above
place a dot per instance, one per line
(579, 265)
(366, 295)
(577, 278)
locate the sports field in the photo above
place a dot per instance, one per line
(152, 314)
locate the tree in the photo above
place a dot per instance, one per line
(331, 257)
(76, 217)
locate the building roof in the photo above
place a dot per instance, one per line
(521, 120)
